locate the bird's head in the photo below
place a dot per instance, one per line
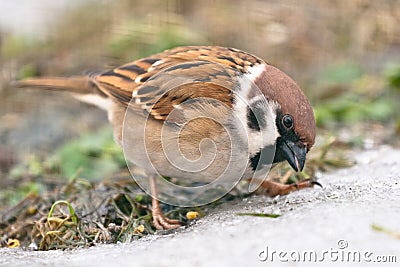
(292, 114)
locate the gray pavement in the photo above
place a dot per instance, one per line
(328, 225)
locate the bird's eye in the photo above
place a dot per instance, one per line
(287, 121)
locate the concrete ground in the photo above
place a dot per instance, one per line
(330, 225)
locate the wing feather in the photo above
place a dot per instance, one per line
(159, 83)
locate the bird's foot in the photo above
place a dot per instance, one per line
(159, 220)
(163, 223)
(273, 189)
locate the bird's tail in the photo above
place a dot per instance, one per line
(76, 84)
(82, 88)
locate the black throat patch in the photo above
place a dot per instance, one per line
(264, 157)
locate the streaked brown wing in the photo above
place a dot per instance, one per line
(162, 81)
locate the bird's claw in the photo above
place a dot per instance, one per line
(273, 189)
(315, 182)
(163, 223)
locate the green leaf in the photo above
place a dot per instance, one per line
(267, 215)
(74, 218)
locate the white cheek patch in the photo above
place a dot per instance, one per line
(273, 106)
(247, 95)
(268, 133)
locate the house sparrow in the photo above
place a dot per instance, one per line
(200, 112)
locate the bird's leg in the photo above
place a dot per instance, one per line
(271, 188)
(159, 220)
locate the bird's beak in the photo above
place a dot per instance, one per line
(294, 154)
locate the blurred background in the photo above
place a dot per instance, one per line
(344, 54)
